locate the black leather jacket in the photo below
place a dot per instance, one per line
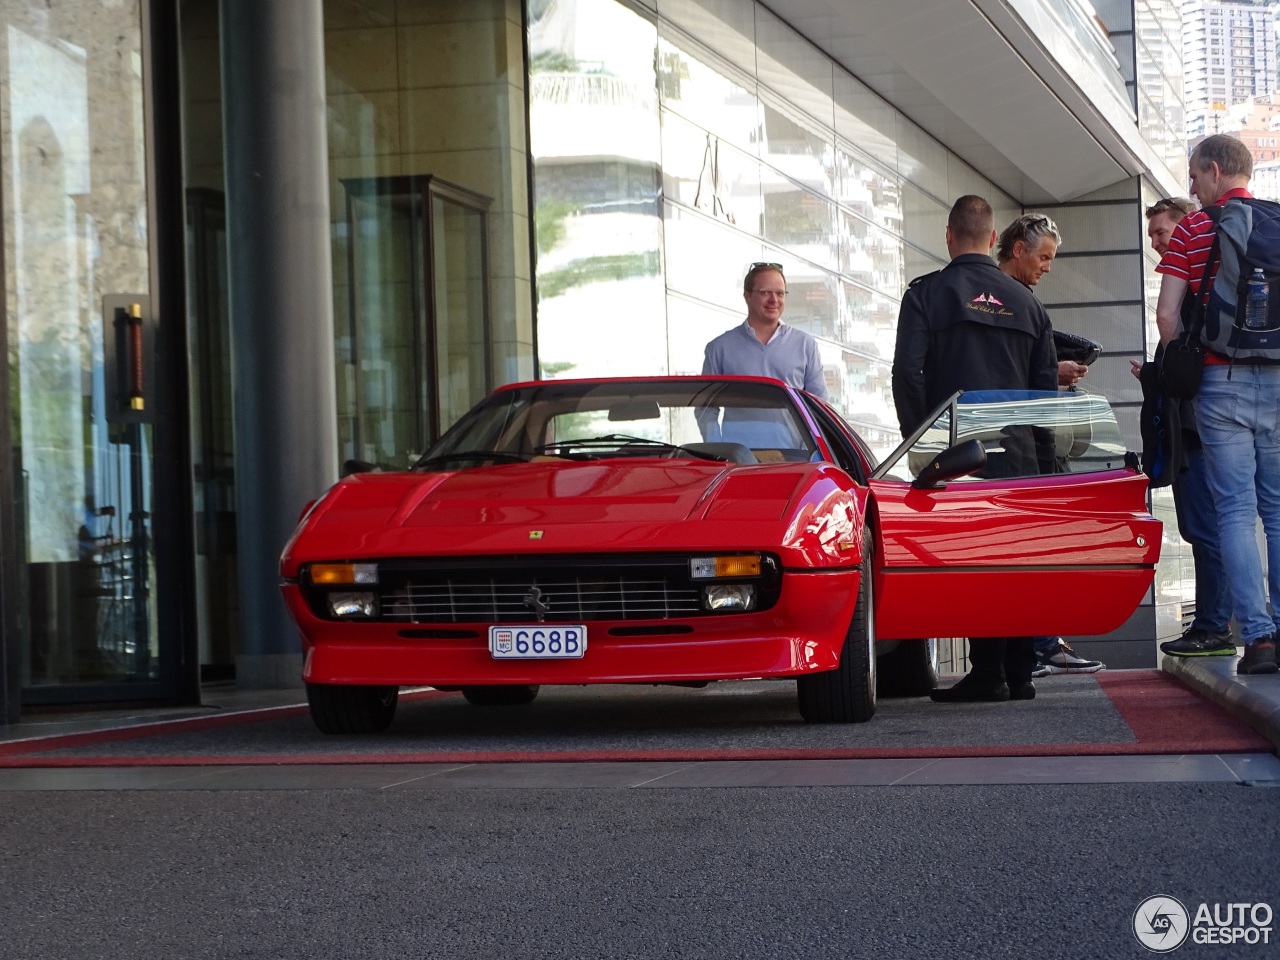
(968, 326)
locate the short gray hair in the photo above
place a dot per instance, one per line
(1030, 228)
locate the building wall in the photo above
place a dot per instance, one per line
(660, 180)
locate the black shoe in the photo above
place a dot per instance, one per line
(1259, 657)
(1022, 691)
(972, 690)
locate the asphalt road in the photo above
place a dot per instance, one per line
(807, 872)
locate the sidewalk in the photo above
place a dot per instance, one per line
(1253, 699)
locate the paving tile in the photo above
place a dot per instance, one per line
(543, 775)
(790, 773)
(1200, 768)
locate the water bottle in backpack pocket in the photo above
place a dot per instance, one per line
(1257, 296)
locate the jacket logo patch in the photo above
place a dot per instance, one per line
(987, 303)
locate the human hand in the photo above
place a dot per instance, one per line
(1070, 372)
(1135, 367)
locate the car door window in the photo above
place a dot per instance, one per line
(1026, 433)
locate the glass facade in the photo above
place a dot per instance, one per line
(430, 242)
(1159, 93)
(667, 163)
(79, 330)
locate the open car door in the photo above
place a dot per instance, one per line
(1013, 513)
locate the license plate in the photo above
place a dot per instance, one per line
(537, 642)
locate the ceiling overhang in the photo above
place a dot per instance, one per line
(997, 81)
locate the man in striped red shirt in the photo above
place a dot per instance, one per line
(1237, 410)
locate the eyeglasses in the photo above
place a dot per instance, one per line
(760, 265)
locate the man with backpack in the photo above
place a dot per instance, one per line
(1212, 257)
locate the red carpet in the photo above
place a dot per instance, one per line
(1164, 716)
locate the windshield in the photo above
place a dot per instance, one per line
(737, 422)
(1026, 433)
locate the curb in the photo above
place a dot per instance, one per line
(1260, 712)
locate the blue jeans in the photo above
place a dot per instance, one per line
(1239, 424)
(1198, 524)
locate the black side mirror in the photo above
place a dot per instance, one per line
(963, 458)
(357, 466)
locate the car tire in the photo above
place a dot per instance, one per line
(510, 695)
(910, 670)
(847, 694)
(345, 709)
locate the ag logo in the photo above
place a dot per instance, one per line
(1161, 924)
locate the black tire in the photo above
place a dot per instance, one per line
(342, 709)
(911, 670)
(847, 694)
(512, 695)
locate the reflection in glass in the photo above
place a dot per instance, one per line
(754, 158)
(72, 155)
(596, 149)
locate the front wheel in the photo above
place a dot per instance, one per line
(847, 694)
(511, 695)
(342, 709)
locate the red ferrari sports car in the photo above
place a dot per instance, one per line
(688, 529)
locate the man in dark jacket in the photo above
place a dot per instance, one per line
(969, 326)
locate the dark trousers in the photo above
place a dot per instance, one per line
(1002, 659)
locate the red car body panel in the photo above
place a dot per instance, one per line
(808, 512)
(1078, 562)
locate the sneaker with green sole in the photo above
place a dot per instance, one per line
(1198, 642)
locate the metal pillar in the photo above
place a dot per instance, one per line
(281, 300)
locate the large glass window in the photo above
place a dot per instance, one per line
(80, 336)
(429, 202)
(765, 151)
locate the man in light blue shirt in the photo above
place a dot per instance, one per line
(764, 346)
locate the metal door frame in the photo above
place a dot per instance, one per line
(178, 680)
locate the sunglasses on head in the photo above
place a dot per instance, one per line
(760, 265)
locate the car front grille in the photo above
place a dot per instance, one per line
(566, 601)
(542, 589)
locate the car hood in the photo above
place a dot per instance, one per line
(549, 506)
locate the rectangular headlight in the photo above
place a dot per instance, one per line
(340, 573)
(706, 568)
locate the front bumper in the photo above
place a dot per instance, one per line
(802, 633)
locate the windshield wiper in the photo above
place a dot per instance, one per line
(498, 456)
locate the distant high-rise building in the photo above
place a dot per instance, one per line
(1229, 56)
